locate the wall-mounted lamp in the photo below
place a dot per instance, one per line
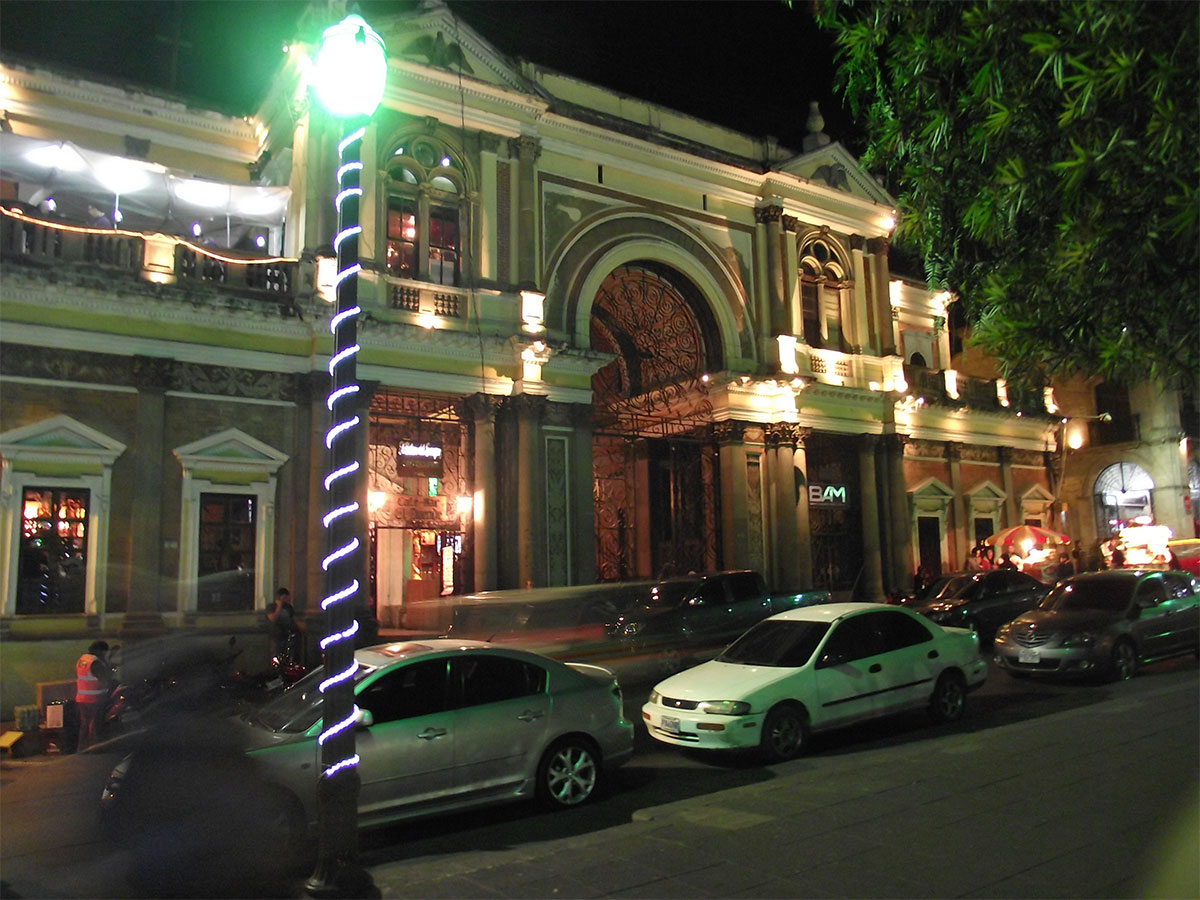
(787, 354)
(532, 310)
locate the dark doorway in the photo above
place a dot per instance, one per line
(929, 540)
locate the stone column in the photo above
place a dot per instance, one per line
(960, 530)
(858, 296)
(527, 151)
(483, 479)
(791, 275)
(732, 455)
(871, 586)
(1011, 509)
(781, 449)
(880, 298)
(530, 490)
(804, 555)
(489, 147)
(144, 612)
(771, 216)
(902, 562)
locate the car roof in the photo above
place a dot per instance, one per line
(1113, 575)
(385, 654)
(829, 612)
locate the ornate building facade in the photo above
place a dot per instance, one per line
(601, 341)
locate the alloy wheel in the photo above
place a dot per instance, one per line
(569, 774)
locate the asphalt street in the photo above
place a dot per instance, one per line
(1040, 791)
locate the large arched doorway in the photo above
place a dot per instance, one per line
(1124, 494)
(655, 465)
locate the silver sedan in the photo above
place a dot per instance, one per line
(443, 725)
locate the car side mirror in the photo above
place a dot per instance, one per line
(363, 718)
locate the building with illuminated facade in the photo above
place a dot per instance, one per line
(601, 340)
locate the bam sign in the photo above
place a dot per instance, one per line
(834, 494)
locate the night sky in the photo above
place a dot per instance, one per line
(751, 65)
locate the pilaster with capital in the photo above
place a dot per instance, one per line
(1011, 511)
(959, 527)
(152, 375)
(734, 499)
(771, 217)
(529, 411)
(784, 501)
(527, 150)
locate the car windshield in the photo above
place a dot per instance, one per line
(1110, 595)
(299, 707)
(953, 588)
(776, 642)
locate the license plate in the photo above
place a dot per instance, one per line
(669, 724)
(1030, 657)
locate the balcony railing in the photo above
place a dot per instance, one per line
(157, 258)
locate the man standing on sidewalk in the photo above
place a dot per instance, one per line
(92, 676)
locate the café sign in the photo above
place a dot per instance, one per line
(421, 460)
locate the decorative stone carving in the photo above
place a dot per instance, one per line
(766, 214)
(790, 223)
(152, 373)
(728, 432)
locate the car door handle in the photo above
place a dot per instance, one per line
(875, 668)
(933, 654)
(430, 733)
(530, 715)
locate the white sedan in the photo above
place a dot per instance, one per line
(815, 668)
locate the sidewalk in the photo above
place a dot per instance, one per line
(1099, 801)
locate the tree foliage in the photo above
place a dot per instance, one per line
(1045, 156)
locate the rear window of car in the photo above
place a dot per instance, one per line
(776, 643)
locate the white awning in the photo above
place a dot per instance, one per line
(150, 197)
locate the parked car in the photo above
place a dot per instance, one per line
(1104, 624)
(442, 725)
(816, 668)
(981, 601)
(783, 602)
(695, 610)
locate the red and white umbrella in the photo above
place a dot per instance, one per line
(1023, 538)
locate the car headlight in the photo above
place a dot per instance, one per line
(654, 695)
(1079, 639)
(725, 707)
(1002, 632)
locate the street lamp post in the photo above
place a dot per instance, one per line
(351, 71)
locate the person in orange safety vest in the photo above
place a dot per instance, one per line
(92, 675)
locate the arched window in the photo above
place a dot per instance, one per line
(1124, 492)
(426, 212)
(824, 293)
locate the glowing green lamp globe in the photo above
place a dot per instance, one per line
(351, 68)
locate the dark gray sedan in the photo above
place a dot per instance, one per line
(981, 601)
(1104, 624)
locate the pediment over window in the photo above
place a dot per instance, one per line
(60, 439)
(833, 166)
(231, 450)
(433, 37)
(986, 491)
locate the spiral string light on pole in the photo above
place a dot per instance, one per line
(351, 72)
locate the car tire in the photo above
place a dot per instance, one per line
(568, 774)
(948, 698)
(1122, 665)
(784, 734)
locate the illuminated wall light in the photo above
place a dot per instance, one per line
(1002, 392)
(376, 501)
(743, 379)
(1075, 438)
(1048, 399)
(899, 384)
(888, 222)
(799, 384)
(327, 278)
(874, 385)
(260, 241)
(446, 161)
(705, 378)
(463, 505)
(195, 229)
(427, 320)
(787, 354)
(951, 378)
(533, 305)
(894, 292)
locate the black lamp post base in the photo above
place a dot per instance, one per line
(340, 878)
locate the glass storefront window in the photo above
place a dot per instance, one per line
(53, 560)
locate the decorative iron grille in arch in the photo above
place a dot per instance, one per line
(654, 389)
